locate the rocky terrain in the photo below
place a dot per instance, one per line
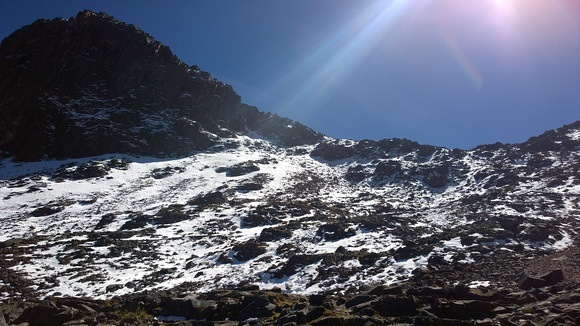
(91, 85)
(137, 190)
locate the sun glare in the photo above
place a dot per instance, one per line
(500, 2)
(343, 51)
(475, 36)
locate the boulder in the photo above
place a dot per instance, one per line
(335, 231)
(386, 290)
(509, 223)
(171, 214)
(465, 309)
(238, 169)
(47, 210)
(392, 306)
(209, 199)
(274, 234)
(550, 278)
(248, 250)
(359, 299)
(256, 307)
(254, 219)
(317, 299)
(47, 315)
(190, 307)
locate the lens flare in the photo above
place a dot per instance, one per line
(484, 39)
(340, 55)
(463, 61)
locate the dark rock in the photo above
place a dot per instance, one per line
(225, 259)
(552, 277)
(329, 321)
(536, 233)
(91, 169)
(137, 221)
(437, 176)
(428, 291)
(392, 306)
(572, 310)
(161, 173)
(388, 168)
(274, 234)
(335, 231)
(358, 300)
(332, 151)
(355, 173)
(411, 249)
(460, 291)
(249, 186)
(528, 281)
(238, 169)
(366, 311)
(281, 130)
(567, 298)
(190, 307)
(47, 210)
(106, 220)
(386, 290)
(254, 219)
(465, 310)
(248, 250)
(248, 287)
(314, 313)
(316, 299)
(209, 199)
(47, 315)
(509, 223)
(370, 258)
(436, 259)
(12, 242)
(296, 262)
(256, 307)
(114, 287)
(171, 214)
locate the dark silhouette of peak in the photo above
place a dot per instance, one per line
(91, 85)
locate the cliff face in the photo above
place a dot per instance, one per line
(91, 85)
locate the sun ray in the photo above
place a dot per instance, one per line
(340, 55)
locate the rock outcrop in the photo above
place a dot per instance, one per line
(92, 85)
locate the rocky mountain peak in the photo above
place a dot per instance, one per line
(267, 222)
(91, 85)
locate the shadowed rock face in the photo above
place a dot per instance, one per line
(91, 85)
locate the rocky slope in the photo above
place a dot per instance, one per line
(91, 85)
(129, 217)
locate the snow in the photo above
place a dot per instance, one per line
(454, 243)
(479, 284)
(574, 135)
(189, 250)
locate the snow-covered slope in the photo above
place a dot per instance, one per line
(306, 219)
(250, 197)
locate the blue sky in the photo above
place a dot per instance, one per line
(452, 73)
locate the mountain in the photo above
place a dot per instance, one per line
(134, 186)
(91, 85)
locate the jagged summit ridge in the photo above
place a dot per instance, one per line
(91, 85)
